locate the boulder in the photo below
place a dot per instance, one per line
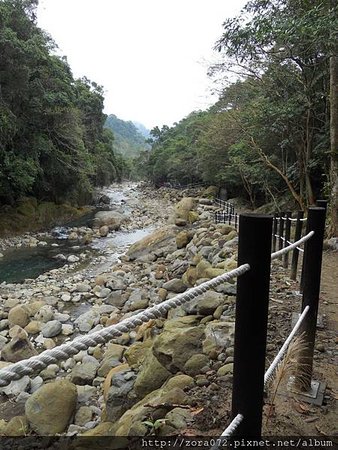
(112, 358)
(50, 409)
(104, 230)
(179, 418)
(184, 206)
(17, 426)
(33, 327)
(177, 343)
(195, 364)
(175, 285)
(208, 302)
(120, 395)
(111, 219)
(87, 320)
(151, 376)
(218, 336)
(137, 352)
(183, 238)
(51, 329)
(17, 349)
(18, 316)
(84, 373)
(132, 418)
(162, 239)
(225, 370)
(83, 415)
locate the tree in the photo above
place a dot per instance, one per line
(273, 35)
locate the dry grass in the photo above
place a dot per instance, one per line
(288, 367)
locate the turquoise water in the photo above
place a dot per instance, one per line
(21, 263)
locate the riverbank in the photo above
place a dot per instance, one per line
(184, 361)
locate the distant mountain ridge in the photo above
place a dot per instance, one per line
(129, 138)
(142, 129)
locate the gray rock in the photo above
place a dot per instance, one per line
(85, 393)
(51, 329)
(120, 395)
(45, 314)
(117, 299)
(83, 415)
(88, 320)
(175, 285)
(3, 342)
(83, 374)
(17, 386)
(83, 287)
(116, 284)
(73, 259)
(4, 323)
(36, 383)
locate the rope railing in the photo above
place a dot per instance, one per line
(64, 351)
(228, 432)
(296, 244)
(273, 366)
(291, 219)
(288, 242)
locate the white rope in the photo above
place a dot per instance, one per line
(291, 219)
(228, 431)
(64, 351)
(292, 246)
(275, 362)
(283, 239)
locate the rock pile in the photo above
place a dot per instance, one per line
(111, 389)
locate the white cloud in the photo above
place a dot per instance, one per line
(148, 54)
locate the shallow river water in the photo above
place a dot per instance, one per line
(19, 264)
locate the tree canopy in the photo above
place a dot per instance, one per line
(52, 142)
(268, 135)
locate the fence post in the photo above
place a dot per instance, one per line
(313, 250)
(274, 231)
(252, 304)
(295, 254)
(322, 204)
(281, 232)
(287, 237)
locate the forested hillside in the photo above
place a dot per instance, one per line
(268, 135)
(52, 142)
(128, 140)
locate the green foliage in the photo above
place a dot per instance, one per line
(267, 135)
(52, 142)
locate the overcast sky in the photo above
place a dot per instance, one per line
(151, 56)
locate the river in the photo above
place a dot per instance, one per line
(22, 263)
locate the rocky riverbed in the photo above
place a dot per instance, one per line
(169, 376)
(107, 385)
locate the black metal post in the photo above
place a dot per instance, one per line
(313, 251)
(295, 254)
(251, 322)
(288, 215)
(281, 232)
(274, 232)
(322, 204)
